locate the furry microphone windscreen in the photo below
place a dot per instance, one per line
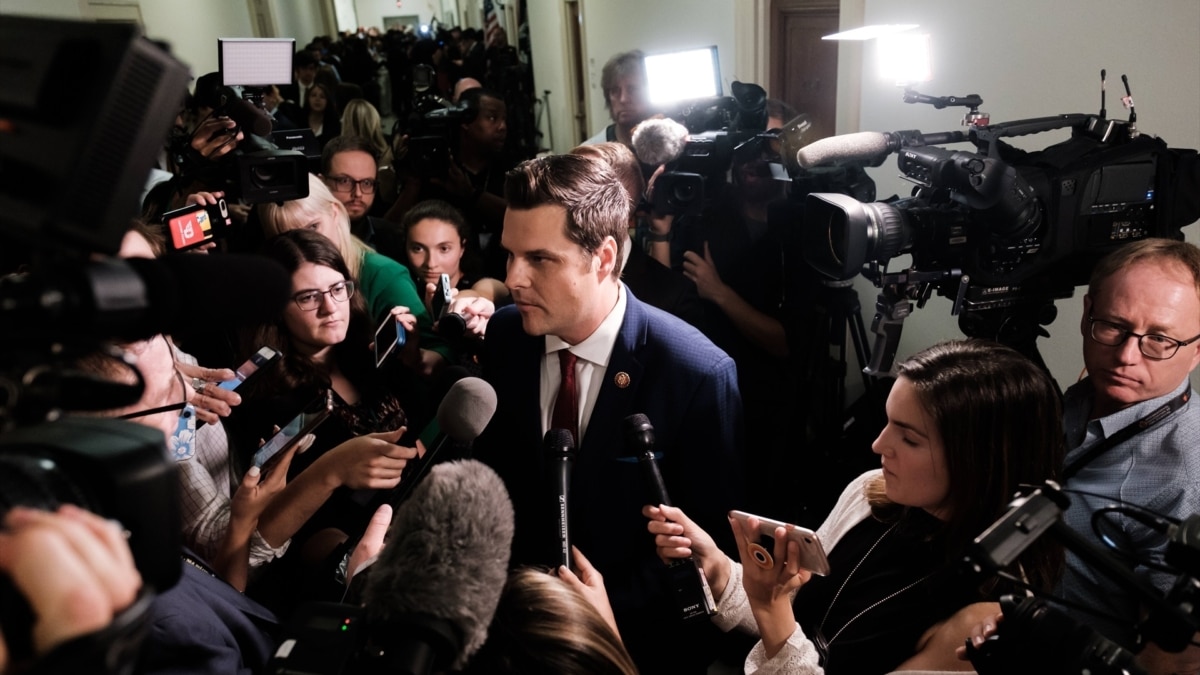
(658, 141)
(446, 558)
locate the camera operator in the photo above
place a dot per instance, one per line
(1141, 339)
(474, 182)
(738, 265)
(623, 81)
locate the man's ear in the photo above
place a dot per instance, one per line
(608, 257)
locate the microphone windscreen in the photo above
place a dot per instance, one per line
(447, 556)
(466, 410)
(862, 146)
(248, 116)
(186, 290)
(558, 441)
(658, 141)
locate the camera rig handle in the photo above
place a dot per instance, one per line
(985, 137)
(1040, 512)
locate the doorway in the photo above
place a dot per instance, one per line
(804, 68)
(577, 102)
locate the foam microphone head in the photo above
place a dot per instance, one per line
(187, 290)
(864, 146)
(466, 410)
(659, 141)
(432, 593)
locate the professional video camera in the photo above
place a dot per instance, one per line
(1065, 646)
(70, 176)
(257, 170)
(719, 130)
(1001, 231)
(432, 137)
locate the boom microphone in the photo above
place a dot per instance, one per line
(136, 298)
(659, 141)
(870, 147)
(431, 594)
(559, 449)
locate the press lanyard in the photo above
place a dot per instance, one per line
(1127, 432)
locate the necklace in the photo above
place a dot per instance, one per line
(821, 643)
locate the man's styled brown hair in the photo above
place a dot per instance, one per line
(596, 203)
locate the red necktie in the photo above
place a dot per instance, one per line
(566, 404)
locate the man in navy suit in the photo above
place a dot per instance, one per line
(565, 230)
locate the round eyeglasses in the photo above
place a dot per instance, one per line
(1152, 345)
(310, 300)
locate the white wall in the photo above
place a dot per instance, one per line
(371, 12)
(1030, 58)
(193, 35)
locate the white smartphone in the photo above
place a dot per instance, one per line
(812, 553)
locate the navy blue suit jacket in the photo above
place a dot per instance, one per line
(203, 625)
(661, 367)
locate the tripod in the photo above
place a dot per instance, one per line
(837, 311)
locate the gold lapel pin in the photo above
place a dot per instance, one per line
(621, 379)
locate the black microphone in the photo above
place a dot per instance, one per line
(659, 141)
(136, 298)
(430, 595)
(870, 147)
(691, 590)
(559, 450)
(462, 415)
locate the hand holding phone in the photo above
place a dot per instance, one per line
(389, 337)
(294, 431)
(195, 225)
(443, 295)
(812, 553)
(257, 361)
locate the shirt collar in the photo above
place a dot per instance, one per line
(597, 347)
(1126, 416)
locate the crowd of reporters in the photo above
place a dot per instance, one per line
(380, 222)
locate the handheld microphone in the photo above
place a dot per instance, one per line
(659, 141)
(691, 591)
(462, 415)
(559, 449)
(870, 147)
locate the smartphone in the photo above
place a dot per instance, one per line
(291, 433)
(260, 359)
(812, 553)
(196, 225)
(389, 337)
(442, 296)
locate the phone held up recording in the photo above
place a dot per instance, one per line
(389, 337)
(196, 225)
(294, 431)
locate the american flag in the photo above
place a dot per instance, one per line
(491, 22)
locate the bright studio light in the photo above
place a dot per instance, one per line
(871, 32)
(905, 58)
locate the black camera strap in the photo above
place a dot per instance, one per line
(1127, 432)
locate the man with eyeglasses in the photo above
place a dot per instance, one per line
(350, 167)
(1133, 429)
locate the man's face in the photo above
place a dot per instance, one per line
(306, 74)
(1146, 297)
(490, 127)
(627, 100)
(558, 287)
(357, 166)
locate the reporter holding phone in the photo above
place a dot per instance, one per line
(968, 423)
(325, 337)
(382, 282)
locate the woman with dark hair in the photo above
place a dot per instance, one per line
(325, 337)
(969, 422)
(320, 106)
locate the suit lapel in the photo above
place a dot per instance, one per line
(619, 389)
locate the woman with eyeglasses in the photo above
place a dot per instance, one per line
(325, 336)
(383, 283)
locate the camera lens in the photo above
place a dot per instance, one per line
(263, 174)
